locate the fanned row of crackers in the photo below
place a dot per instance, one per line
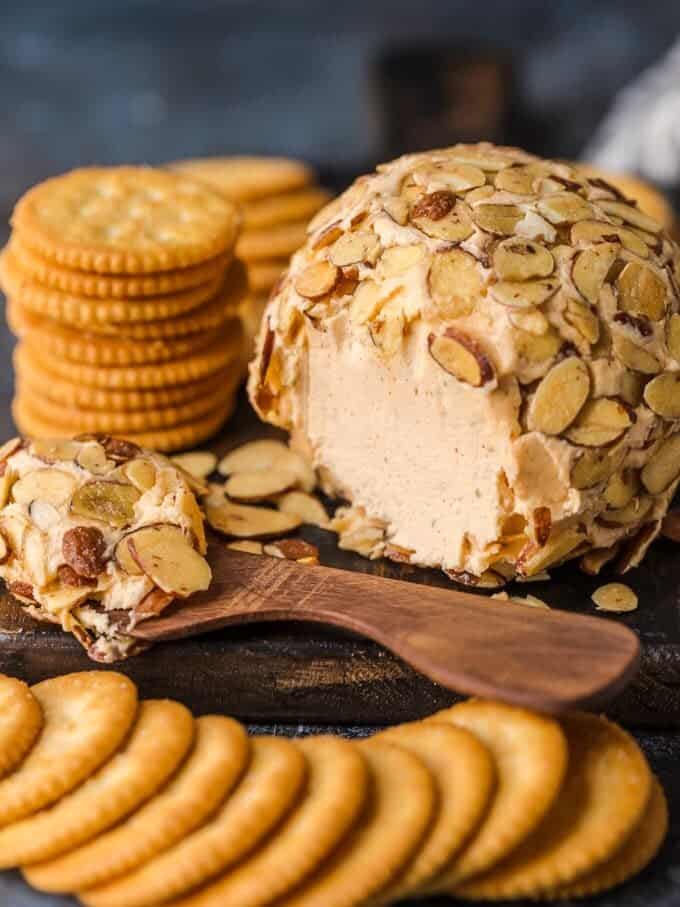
(124, 289)
(135, 804)
(278, 198)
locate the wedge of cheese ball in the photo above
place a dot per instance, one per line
(481, 351)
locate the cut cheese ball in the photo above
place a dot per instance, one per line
(97, 534)
(480, 348)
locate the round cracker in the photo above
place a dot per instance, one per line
(335, 793)
(125, 220)
(106, 286)
(604, 795)
(400, 806)
(262, 275)
(73, 309)
(219, 756)
(530, 756)
(21, 720)
(464, 777)
(637, 852)
(266, 792)
(159, 740)
(271, 242)
(285, 208)
(244, 178)
(86, 715)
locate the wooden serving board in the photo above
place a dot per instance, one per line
(304, 673)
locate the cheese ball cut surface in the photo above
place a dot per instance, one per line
(481, 349)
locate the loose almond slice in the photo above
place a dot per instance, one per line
(615, 597)
(52, 449)
(522, 259)
(166, 557)
(662, 395)
(141, 473)
(593, 231)
(244, 522)
(499, 219)
(634, 356)
(198, 463)
(252, 487)
(51, 485)
(590, 270)
(293, 550)
(564, 208)
(461, 356)
(673, 336)
(107, 502)
(600, 422)
(523, 295)
(631, 215)
(317, 279)
(621, 488)
(305, 506)
(252, 457)
(246, 546)
(535, 558)
(663, 467)
(641, 291)
(455, 283)
(355, 248)
(559, 397)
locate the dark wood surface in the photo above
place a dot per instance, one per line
(304, 673)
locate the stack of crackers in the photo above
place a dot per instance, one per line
(123, 287)
(278, 198)
(134, 804)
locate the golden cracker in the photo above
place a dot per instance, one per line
(219, 756)
(165, 440)
(637, 852)
(244, 178)
(125, 220)
(108, 287)
(285, 208)
(225, 350)
(21, 720)
(530, 755)
(266, 792)
(159, 740)
(92, 349)
(336, 791)
(77, 421)
(604, 795)
(271, 242)
(78, 396)
(464, 777)
(73, 309)
(87, 715)
(401, 803)
(262, 275)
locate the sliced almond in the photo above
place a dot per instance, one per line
(124, 559)
(398, 259)
(388, 334)
(199, 463)
(166, 557)
(498, 219)
(594, 560)
(107, 502)
(398, 553)
(590, 269)
(455, 283)
(564, 208)
(531, 320)
(64, 599)
(327, 236)
(397, 209)
(317, 279)
(593, 231)
(478, 195)
(641, 291)
(4, 549)
(13, 530)
(621, 488)
(461, 356)
(366, 303)
(486, 157)
(596, 466)
(141, 473)
(456, 177)
(455, 226)
(246, 546)
(519, 179)
(355, 248)
(252, 487)
(304, 506)
(634, 512)
(187, 506)
(34, 556)
(663, 467)
(600, 422)
(93, 458)
(662, 395)
(10, 447)
(7, 480)
(523, 295)
(534, 558)
(537, 349)
(153, 604)
(634, 356)
(522, 259)
(52, 449)
(631, 215)
(252, 457)
(242, 521)
(489, 579)
(615, 597)
(43, 514)
(559, 397)
(51, 485)
(583, 319)
(673, 336)
(293, 550)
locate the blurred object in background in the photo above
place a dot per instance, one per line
(431, 96)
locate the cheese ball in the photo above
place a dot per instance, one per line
(96, 535)
(480, 349)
